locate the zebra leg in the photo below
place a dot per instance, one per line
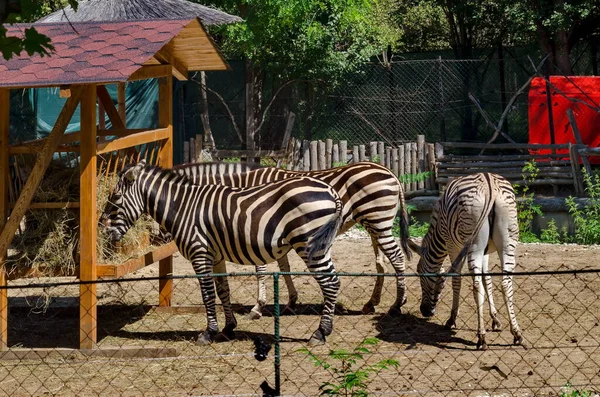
(256, 311)
(330, 286)
(284, 266)
(369, 307)
(223, 291)
(207, 287)
(475, 266)
(387, 244)
(496, 324)
(456, 286)
(507, 258)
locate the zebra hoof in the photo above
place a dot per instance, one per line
(481, 343)
(451, 323)
(496, 325)
(206, 338)
(395, 311)
(290, 308)
(317, 338)
(368, 308)
(253, 315)
(520, 341)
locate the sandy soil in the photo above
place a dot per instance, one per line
(559, 316)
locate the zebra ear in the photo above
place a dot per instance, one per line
(415, 247)
(132, 173)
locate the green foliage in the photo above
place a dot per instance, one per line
(526, 208)
(376, 159)
(569, 391)
(268, 162)
(231, 160)
(587, 218)
(418, 229)
(350, 379)
(552, 235)
(30, 40)
(338, 164)
(409, 178)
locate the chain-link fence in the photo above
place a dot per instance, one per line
(148, 350)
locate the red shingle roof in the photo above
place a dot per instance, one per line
(88, 52)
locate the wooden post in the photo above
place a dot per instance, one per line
(121, 102)
(361, 153)
(431, 164)
(287, 136)
(420, 160)
(192, 150)
(314, 156)
(576, 169)
(413, 161)
(165, 160)
(407, 167)
(199, 158)
(321, 148)
(401, 162)
(305, 155)
(328, 152)
(577, 135)
(88, 303)
(344, 152)
(4, 186)
(335, 155)
(186, 152)
(394, 161)
(381, 152)
(297, 151)
(373, 152)
(388, 157)
(355, 155)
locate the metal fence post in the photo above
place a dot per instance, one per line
(276, 334)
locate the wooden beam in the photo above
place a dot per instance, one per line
(151, 72)
(65, 91)
(88, 223)
(109, 107)
(119, 270)
(121, 103)
(133, 140)
(40, 166)
(248, 153)
(165, 159)
(179, 71)
(4, 184)
(50, 206)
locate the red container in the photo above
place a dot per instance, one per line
(572, 92)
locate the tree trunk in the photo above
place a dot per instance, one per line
(209, 140)
(254, 88)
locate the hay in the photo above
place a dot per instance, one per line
(47, 243)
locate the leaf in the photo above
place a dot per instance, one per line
(35, 42)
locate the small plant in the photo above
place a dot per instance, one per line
(268, 162)
(410, 178)
(338, 164)
(417, 229)
(232, 160)
(552, 235)
(569, 391)
(350, 379)
(376, 159)
(526, 208)
(587, 218)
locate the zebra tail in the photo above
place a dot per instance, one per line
(323, 238)
(469, 243)
(404, 233)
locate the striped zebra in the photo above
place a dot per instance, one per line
(372, 197)
(476, 215)
(252, 226)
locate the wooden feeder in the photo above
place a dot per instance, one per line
(89, 55)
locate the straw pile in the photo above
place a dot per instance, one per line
(47, 243)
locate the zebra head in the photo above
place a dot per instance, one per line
(124, 205)
(432, 283)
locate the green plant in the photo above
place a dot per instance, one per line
(232, 160)
(569, 391)
(417, 229)
(268, 162)
(526, 208)
(552, 235)
(409, 178)
(338, 164)
(349, 378)
(586, 219)
(376, 159)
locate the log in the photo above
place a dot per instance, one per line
(373, 156)
(199, 158)
(501, 157)
(361, 153)
(388, 157)
(328, 153)
(501, 164)
(407, 166)
(306, 155)
(537, 182)
(381, 152)
(335, 155)
(192, 150)
(420, 160)
(414, 164)
(344, 152)
(321, 153)
(295, 164)
(314, 155)
(401, 161)
(502, 146)
(394, 161)
(186, 152)
(355, 155)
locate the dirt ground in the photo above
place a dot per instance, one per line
(558, 313)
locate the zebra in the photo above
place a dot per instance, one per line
(476, 215)
(372, 196)
(211, 224)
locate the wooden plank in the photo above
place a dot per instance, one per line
(499, 146)
(431, 167)
(110, 108)
(321, 154)
(577, 135)
(178, 69)
(40, 166)
(50, 206)
(248, 153)
(344, 152)
(500, 157)
(577, 179)
(165, 160)
(537, 182)
(108, 270)
(501, 164)
(420, 160)
(88, 302)
(133, 140)
(4, 188)
(401, 161)
(150, 72)
(120, 352)
(328, 153)
(121, 103)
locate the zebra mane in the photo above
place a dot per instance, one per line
(166, 172)
(221, 165)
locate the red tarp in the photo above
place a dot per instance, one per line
(566, 93)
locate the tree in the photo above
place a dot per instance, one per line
(315, 40)
(31, 41)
